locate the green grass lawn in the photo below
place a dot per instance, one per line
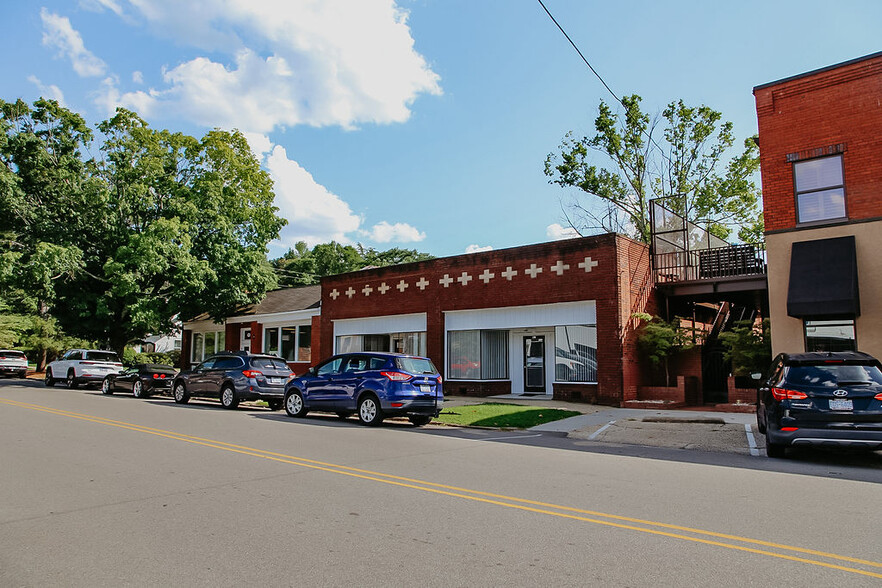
(494, 414)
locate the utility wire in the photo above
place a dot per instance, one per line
(594, 71)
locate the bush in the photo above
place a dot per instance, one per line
(749, 346)
(172, 358)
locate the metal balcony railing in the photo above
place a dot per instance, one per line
(709, 264)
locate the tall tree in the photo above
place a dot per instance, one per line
(159, 225)
(685, 163)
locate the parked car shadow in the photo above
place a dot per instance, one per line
(331, 420)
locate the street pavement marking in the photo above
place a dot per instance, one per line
(600, 430)
(750, 440)
(490, 498)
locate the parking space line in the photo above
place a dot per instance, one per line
(600, 430)
(751, 442)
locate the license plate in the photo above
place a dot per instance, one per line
(836, 404)
(425, 388)
(274, 380)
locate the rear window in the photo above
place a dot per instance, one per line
(833, 375)
(416, 365)
(269, 363)
(12, 355)
(102, 356)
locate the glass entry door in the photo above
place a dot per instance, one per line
(534, 364)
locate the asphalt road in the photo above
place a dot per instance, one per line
(114, 491)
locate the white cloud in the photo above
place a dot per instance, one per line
(59, 34)
(557, 232)
(478, 248)
(334, 62)
(314, 214)
(101, 5)
(260, 144)
(137, 77)
(51, 91)
(383, 232)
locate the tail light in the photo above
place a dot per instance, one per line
(439, 380)
(251, 373)
(878, 396)
(789, 429)
(396, 376)
(158, 376)
(784, 394)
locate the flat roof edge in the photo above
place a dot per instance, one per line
(819, 70)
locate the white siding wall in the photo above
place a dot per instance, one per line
(381, 325)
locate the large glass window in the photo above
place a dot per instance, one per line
(205, 344)
(271, 341)
(832, 335)
(304, 343)
(820, 193)
(413, 343)
(477, 355)
(290, 343)
(575, 353)
(209, 343)
(198, 347)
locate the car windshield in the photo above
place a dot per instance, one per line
(12, 355)
(416, 365)
(269, 363)
(102, 356)
(832, 375)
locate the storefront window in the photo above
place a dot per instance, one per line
(575, 354)
(271, 341)
(209, 344)
(835, 335)
(477, 355)
(304, 343)
(413, 343)
(198, 347)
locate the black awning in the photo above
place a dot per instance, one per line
(823, 279)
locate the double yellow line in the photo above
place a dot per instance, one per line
(745, 544)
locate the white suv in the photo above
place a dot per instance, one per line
(83, 366)
(13, 362)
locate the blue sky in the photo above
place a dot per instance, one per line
(420, 123)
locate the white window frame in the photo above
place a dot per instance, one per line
(818, 190)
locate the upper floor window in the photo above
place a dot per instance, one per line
(820, 193)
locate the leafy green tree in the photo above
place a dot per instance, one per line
(749, 347)
(659, 340)
(685, 163)
(158, 225)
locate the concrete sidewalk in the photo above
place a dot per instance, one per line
(684, 429)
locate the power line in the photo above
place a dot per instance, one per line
(594, 71)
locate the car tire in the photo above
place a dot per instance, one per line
(294, 405)
(22, 374)
(420, 420)
(776, 450)
(180, 393)
(138, 389)
(49, 381)
(72, 380)
(274, 404)
(106, 388)
(369, 411)
(228, 397)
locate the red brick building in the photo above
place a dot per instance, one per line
(820, 138)
(553, 318)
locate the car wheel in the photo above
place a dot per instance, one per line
(72, 380)
(106, 387)
(138, 389)
(777, 450)
(274, 404)
(181, 395)
(22, 374)
(49, 381)
(294, 404)
(369, 411)
(228, 397)
(420, 420)
(344, 415)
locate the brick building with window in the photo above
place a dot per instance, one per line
(820, 138)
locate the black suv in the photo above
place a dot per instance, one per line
(821, 399)
(235, 376)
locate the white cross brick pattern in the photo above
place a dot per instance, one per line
(334, 294)
(588, 264)
(350, 292)
(402, 286)
(464, 279)
(509, 273)
(383, 288)
(533, 271)
(422, 283)
(560, 267)
(486, 276)
(367, 290)
(446, 281)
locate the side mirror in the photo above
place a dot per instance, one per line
(756, 376)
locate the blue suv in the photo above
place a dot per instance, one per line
(234, 376)
(373, 385)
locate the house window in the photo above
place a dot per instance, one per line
(205, 344)
(411, 343)
(290, 343)
(198, 347)
(477, 355)
(834, 335)
(575, 354)
(820, 191)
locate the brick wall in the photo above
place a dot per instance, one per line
(617, 281)
(822, 112)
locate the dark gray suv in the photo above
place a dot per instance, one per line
(233, 377)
